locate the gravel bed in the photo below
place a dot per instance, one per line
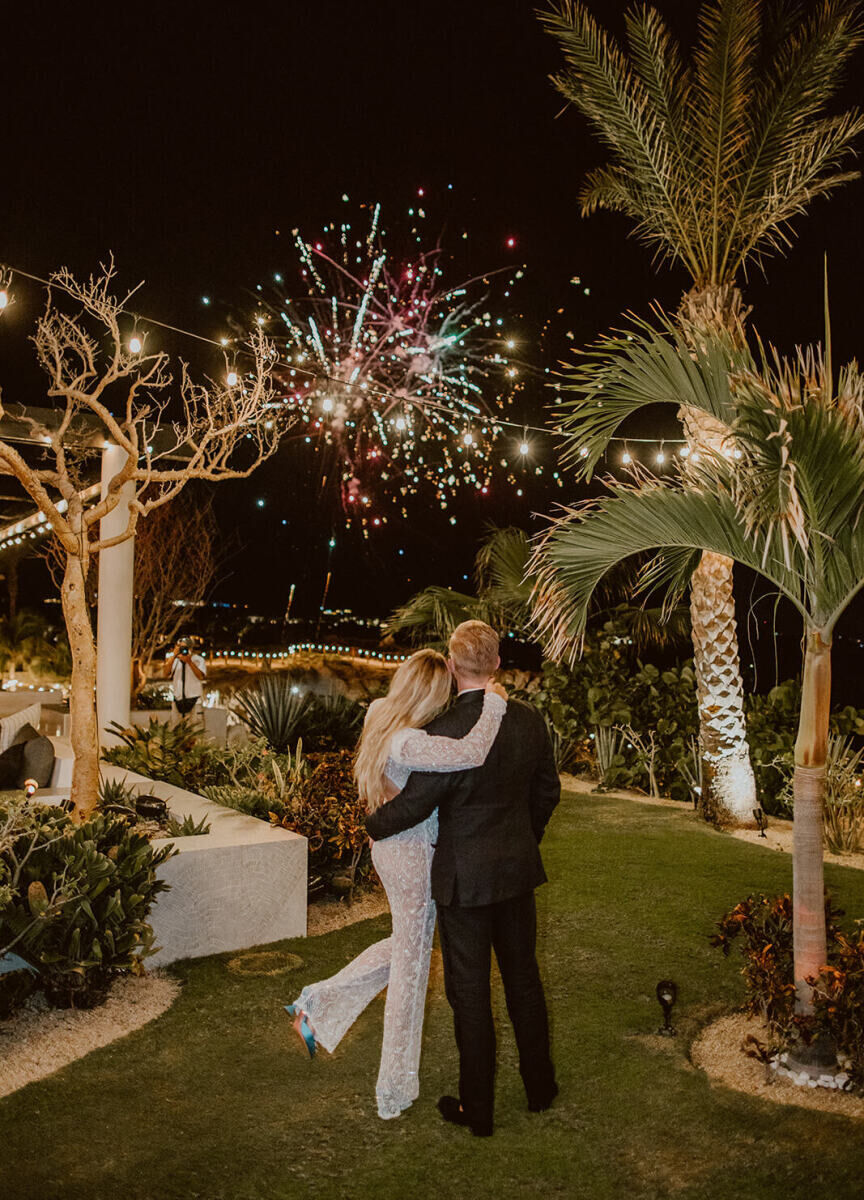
(323, 916)
(717, 1052)
(39, 1040)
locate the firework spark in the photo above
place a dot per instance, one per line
(401, 376)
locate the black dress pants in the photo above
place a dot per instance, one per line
(468, 936)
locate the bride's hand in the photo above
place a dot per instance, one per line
(497, 688)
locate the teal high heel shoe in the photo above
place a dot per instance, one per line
(305, 1032)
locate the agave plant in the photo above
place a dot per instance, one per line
(277, 708)
(272, 706)
(791, 508)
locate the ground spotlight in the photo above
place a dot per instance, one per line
(667, 994)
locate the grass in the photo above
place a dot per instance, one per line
(217, 1100)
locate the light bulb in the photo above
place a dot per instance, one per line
(661, 457)
(468, 439)
(327, 404)
(626, 458)
(584, 452)
(524, 448)
(684, 451)
(4, 298)
(232, 379)
(134, 345)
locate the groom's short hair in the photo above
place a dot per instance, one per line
(474, 649)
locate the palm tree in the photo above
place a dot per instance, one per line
(502, 599)
(791, 508)
(504, 587)
(712, 159)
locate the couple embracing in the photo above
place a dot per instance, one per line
(458, 800)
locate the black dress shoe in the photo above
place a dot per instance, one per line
(541, 1103)
(451, 1110)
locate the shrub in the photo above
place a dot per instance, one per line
(772, 726)
(261, 782)
(156, 697)
(173, 754)
(327, 810)
(838, 1000)
(188, 827)
(77, 900)
(843, 804)
(764, 925)
(609, 687)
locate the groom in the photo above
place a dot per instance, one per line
(484, 872)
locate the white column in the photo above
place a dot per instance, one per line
(114, 622)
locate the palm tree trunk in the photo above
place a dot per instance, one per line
(811, 752)
(728, 783)
(82, 695)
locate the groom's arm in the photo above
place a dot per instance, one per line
(421, 795)
(545, 784)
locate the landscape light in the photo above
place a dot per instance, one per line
(667, 994)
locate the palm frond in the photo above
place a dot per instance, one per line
(801, 71)
(431, 615)
(724, 62)
(624, 373)
(601, 83)
(811, 171)
(584, 543)
(713, 160)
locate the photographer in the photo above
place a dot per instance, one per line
(187, 672)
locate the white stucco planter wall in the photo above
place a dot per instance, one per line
(242, 884)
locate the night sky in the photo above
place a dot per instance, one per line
(183, 136)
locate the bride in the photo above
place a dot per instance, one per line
(393, 745)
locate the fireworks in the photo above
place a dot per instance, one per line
(400, 377)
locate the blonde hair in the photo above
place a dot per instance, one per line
(420, 689)
(474, 649)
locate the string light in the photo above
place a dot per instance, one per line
(232, 379)
(135, 345)
(4, 298)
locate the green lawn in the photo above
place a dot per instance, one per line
(217, 1099)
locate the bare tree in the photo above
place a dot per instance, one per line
(175, 560)
(106, 389)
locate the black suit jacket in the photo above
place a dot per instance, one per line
(490, 819)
